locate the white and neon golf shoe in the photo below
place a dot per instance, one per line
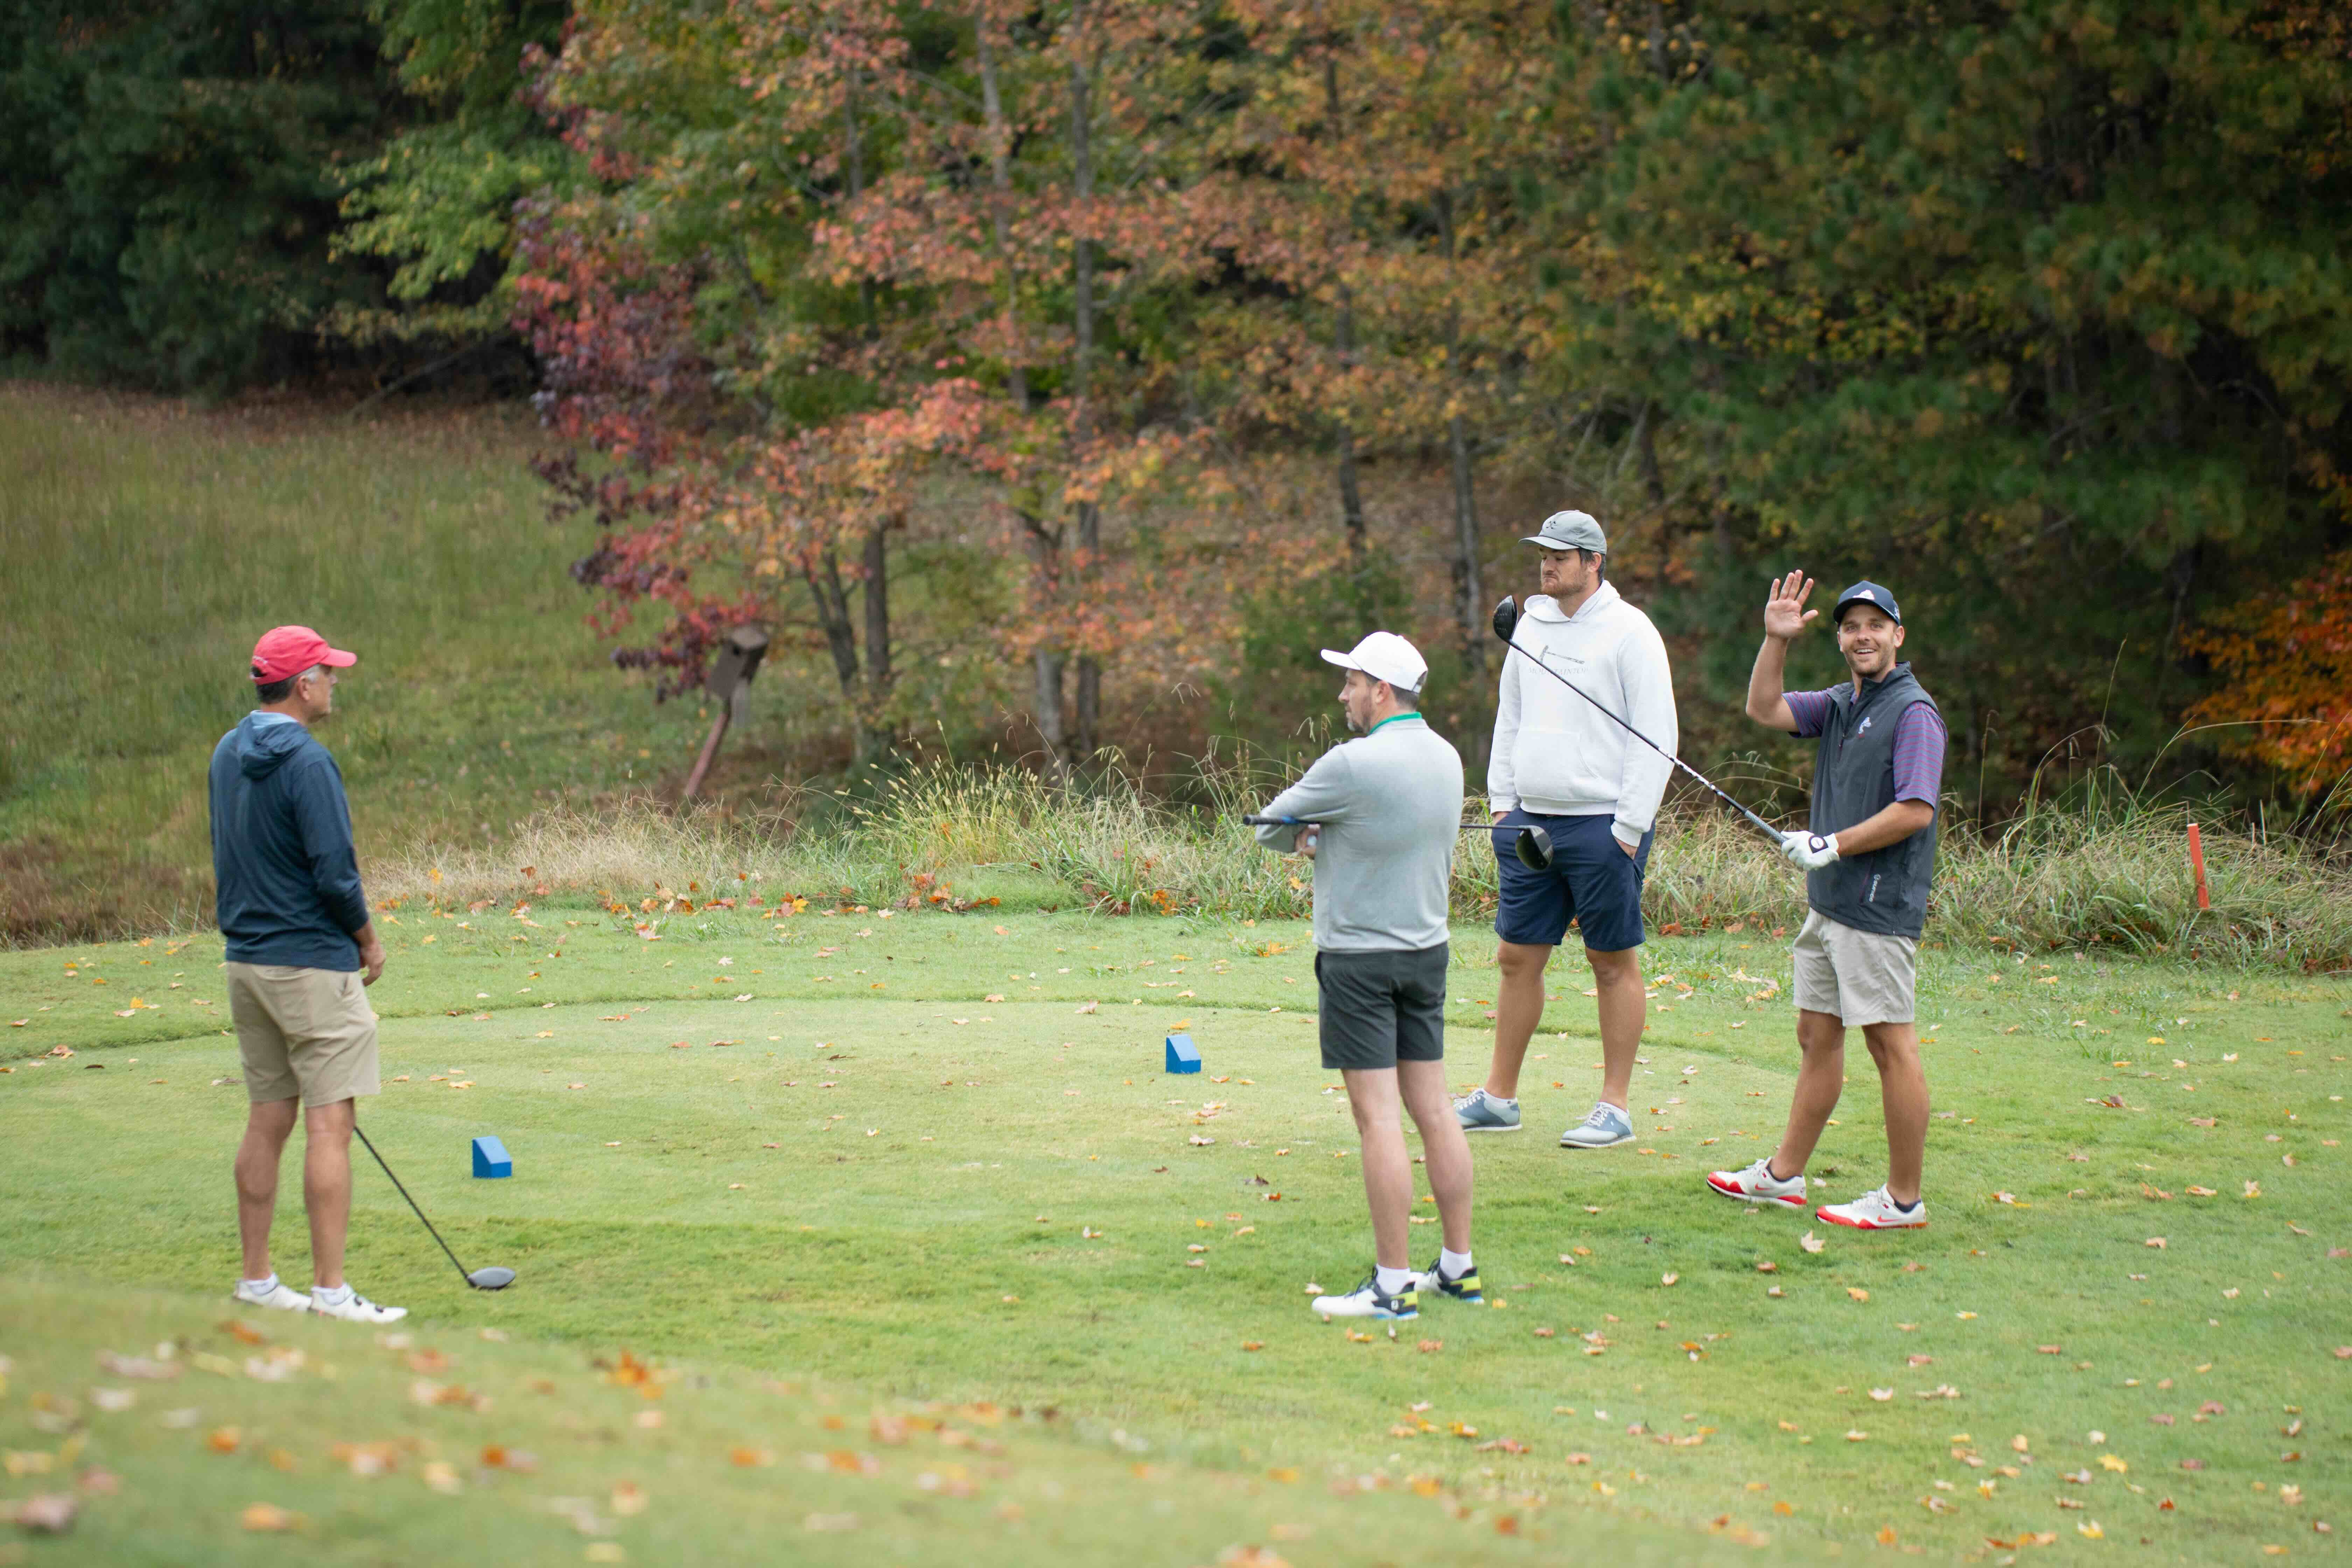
(1367, 1300)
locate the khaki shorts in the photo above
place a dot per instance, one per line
(1860, 976)
(306, 1031)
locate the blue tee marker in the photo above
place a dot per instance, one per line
(1183, 1056)
(491, 1158)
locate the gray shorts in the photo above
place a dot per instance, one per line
(1859, 976)
(1381, 1008)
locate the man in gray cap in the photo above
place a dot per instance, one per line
(1560, 763)
(1380, 816)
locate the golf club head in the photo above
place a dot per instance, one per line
(1533, 844)
(491, 1279)
(1506, 617)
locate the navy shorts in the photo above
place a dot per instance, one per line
(1592, 881)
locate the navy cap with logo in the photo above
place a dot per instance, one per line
(1866, 593)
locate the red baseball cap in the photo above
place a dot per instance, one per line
(290, 650)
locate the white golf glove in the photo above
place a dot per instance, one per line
(1809, 851)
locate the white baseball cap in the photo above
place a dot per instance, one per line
(1384, 655)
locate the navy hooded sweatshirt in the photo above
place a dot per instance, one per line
(288, 879)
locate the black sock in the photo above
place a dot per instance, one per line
(1899, 1203)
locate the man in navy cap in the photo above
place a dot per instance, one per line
(1868, 858)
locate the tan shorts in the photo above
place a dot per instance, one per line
(306, 1031)
(1860, 976)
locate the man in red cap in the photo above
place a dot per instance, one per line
(301, 950)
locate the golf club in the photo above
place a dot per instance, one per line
(492, 1279)
(1507, 621)
(1532, 845)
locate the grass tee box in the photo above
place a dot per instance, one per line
(970, 1186)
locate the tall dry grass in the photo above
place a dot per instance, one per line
(2106, 872)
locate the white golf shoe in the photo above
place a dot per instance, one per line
(352, 1307)
(270, 1292)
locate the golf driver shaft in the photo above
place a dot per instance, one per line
(411, 1204)
(1511, 642)
(1302, 822)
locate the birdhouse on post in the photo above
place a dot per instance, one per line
(730, 682)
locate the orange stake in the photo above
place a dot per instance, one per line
(2197, 865)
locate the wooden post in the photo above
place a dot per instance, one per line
(709, 750)
(729, 681)
(2197, 865)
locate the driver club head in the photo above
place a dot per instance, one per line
(491, 1279)
(1532, 845)
(1506, 617)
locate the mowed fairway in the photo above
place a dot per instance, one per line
(907, 1162)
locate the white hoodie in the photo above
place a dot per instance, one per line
(1555, 754)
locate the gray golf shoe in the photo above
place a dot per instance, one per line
(1485, 1113)
(1479, 1111)
(1605, 1129)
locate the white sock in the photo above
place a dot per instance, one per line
(1493, 1098)
(263, 1286)
(1453, 1265)
(1390, 1281)
(331, 1293)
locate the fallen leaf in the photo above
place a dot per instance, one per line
(1857, 1292)
(1809, 1241)
(267, 1516)
(43, 1513)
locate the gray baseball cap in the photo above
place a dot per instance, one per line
(1571, 531)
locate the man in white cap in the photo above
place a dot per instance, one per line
(1380, 816)
(1559, 764)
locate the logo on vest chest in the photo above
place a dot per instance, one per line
(1863, 728)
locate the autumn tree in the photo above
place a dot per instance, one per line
(2285, 657)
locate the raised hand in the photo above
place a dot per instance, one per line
(1784, 608)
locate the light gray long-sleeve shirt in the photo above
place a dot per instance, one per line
(1391, 807)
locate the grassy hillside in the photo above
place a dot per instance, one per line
(145, 544)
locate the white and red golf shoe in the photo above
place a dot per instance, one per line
(1757, 1184)
(1874, 1211)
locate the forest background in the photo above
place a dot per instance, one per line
(1058, 378)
